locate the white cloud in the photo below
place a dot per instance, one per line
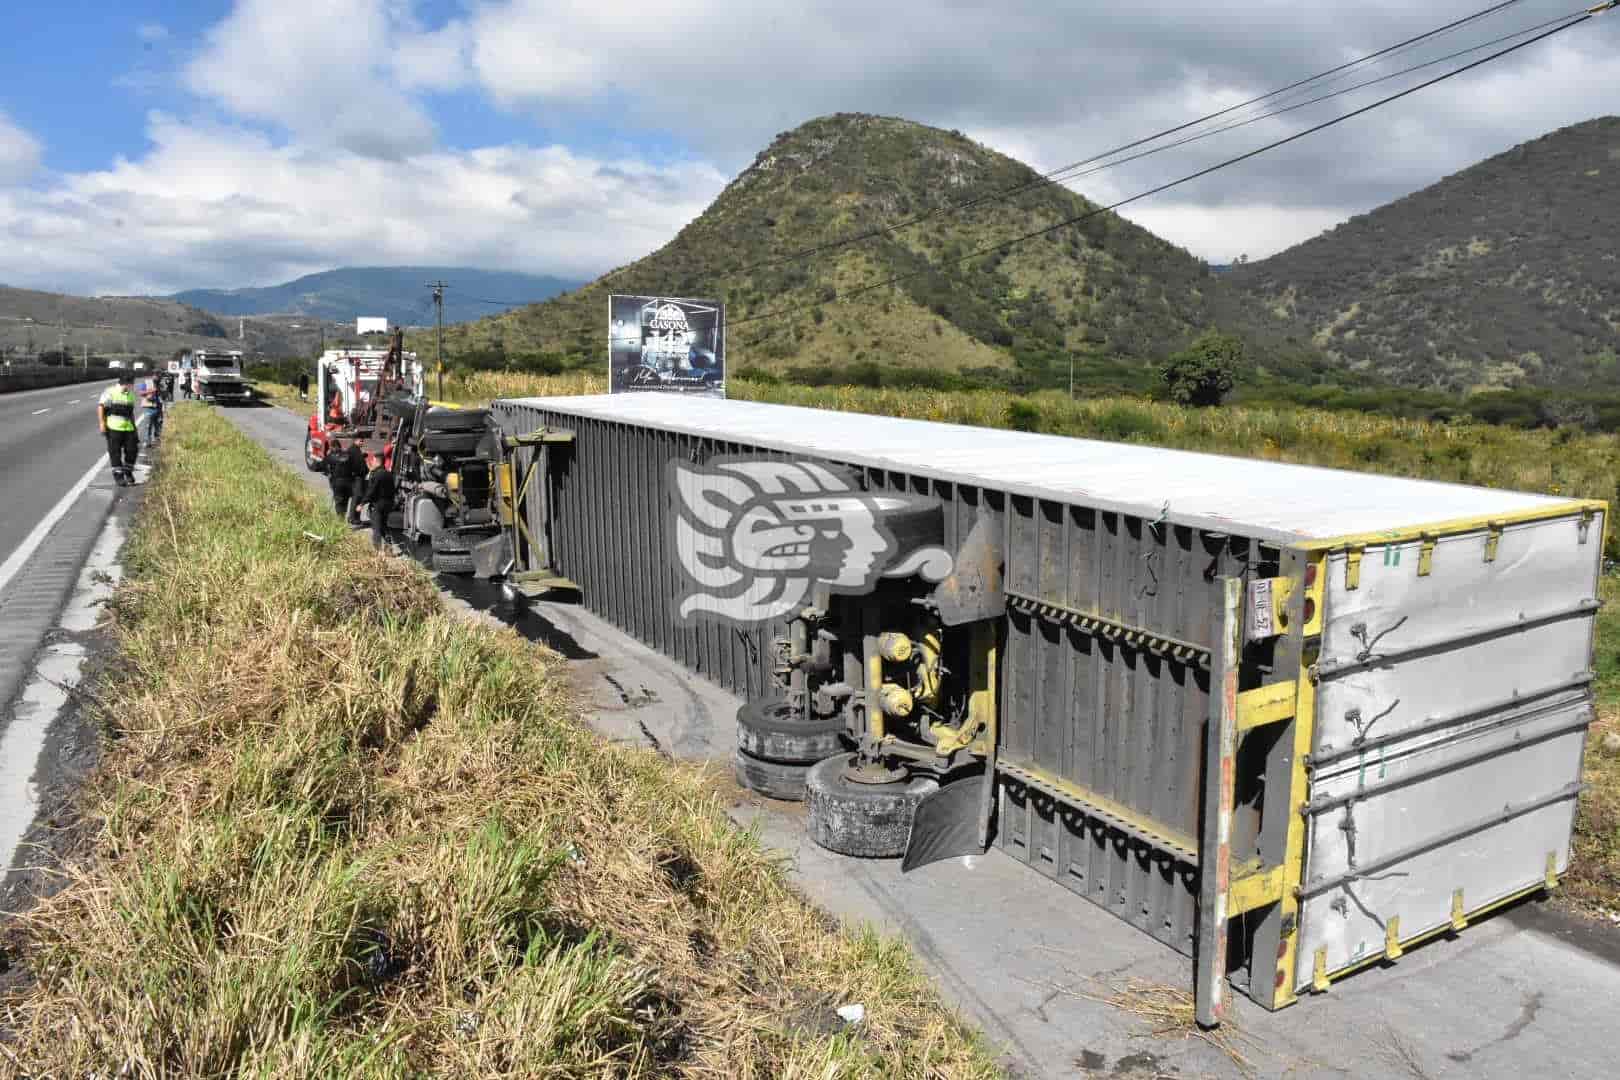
(226, 207)
(1056, 83)
(19, 152)
(321, 69)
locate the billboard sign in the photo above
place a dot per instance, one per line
(661, 343)
(366, 324)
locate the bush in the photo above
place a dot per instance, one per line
(1202, 374)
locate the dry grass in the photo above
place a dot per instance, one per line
(339, 832)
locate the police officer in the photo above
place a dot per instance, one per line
(115, 415)
(355, 464)
(378, 498)
(339, 479)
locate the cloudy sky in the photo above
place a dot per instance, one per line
(148, 147)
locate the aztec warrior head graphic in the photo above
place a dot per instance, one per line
(754, 537)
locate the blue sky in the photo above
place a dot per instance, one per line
(158, 146)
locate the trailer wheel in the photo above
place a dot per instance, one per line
(453, 562)
(771, 779)
(311, 462)
(868, 820)
(770, 729)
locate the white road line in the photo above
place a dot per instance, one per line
(75, 401)
(9, 568)
(37, 412)
(31, 542)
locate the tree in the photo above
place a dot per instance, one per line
(1202, 373)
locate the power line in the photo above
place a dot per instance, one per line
(1313, 101)
(1047, 178)
(991, 249)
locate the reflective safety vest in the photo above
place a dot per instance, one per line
(119, 405)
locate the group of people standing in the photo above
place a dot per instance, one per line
(115, 416)
(357, 479)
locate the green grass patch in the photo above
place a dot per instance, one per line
(340, 832)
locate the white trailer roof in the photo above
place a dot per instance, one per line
(1264, 499)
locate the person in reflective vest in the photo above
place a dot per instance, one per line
(115, 415)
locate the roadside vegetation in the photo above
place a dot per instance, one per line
(1552, 460)
(341, 832)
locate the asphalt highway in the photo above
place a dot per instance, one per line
(48, 439)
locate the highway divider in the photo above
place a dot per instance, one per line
(339, 830)
(38, 378)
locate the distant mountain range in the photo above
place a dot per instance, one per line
(1504, 273)
(398, 293)
(32, 322)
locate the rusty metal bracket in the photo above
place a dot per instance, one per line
(1493, 540)
(973, 589)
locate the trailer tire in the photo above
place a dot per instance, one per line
(768, 729)
(442, 419)
(452, 562)
(772, 779)
(871, 821)
(311, 462)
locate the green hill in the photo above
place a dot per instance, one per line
(1503, 274)
(395, 292)
(1105, 291)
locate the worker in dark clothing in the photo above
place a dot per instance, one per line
(115, 415)
(303, 386)
(341, 480)
(378, 499)
(354, 463)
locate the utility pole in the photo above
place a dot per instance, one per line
(438, 288)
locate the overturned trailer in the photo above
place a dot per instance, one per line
(1289, 721)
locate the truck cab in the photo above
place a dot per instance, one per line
(217, 376)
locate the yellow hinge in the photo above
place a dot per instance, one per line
(1426, 555)
(1266, 705)
(1319, 979)
(1493, 538)
(1254, 890)
(1551, 879)
(1392, 938)
(1586, 523)
(1459, 916)
(1352, 568)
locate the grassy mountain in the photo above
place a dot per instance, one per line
(1504, 273)
(397, 292)
(1104, 291)
(32, 322)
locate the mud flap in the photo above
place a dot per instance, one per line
(946, 824)
(491, 558)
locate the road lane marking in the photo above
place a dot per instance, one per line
(31, 542)
(75, 401)
(39, 411)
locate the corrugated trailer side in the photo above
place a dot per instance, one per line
(1221, 708)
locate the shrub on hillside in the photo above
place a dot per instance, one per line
(1202, 374)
